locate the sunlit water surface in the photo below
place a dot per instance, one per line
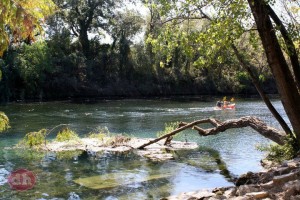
(128, 176)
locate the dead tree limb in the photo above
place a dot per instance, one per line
(253, 122)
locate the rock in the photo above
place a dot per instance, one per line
(242, 198)
(285, 178)
(267, 164)
(244, 189)
(244, 179)
(293, 164)
(282, 170)
(258, 195)
(291, 188)
(297, 197)
(230, 192)
(268, 185)
(200, 194)
(254, 178)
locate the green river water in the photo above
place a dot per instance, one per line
(128, 176)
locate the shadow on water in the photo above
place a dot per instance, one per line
(207, 159)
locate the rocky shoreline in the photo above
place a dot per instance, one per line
(280, 182)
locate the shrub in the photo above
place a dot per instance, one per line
(66, 134)
(34, 139)
(4, 122)
(279, 153)
(169, 127)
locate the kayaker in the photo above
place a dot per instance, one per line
(219, 104)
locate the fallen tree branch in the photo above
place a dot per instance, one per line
(253, 122)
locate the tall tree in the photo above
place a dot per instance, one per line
(85, 18)
(125, 26)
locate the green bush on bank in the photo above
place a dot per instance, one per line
(169, 127)
(34, 139)
(66, 134)
(4, 122)
(279, 153)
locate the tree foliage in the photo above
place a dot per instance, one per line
(21, 20)
(221, 25)
(34, 63)
(180, 55)
(84, 17)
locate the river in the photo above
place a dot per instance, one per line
(127, 176)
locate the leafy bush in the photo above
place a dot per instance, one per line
(4, 122)
(34, 139)
(169, 127)
(66, 134)
(279, 153)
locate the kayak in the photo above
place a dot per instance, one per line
(229, 106)
(226, 107)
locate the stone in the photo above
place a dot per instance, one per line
(285, 178)
(297, 197)
(230, 192)
(244, 189)
(258, 195)
(282, 170)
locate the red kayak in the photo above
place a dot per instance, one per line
(226, 107)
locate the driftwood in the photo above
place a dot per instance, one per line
(253, 122)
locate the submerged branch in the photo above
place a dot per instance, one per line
(253, 122)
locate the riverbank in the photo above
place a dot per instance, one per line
(279, 182)
(178, 97)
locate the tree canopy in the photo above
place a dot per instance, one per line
(20, 20)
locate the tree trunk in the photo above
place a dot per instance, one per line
(292, 52)
(287, 89)
(84, 41)
(253, 122)
(261, 92)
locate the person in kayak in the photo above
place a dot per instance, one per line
(219, 104)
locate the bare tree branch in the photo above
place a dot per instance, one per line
(253, 122)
